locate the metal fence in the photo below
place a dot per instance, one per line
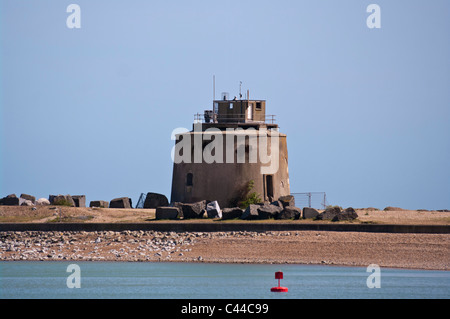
(316, 200)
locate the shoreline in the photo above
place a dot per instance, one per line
(353, 249)
(216, 263)
(392, 239)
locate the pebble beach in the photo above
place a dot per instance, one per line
(413, 251)
(346, 248)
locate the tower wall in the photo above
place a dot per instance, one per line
(225, 182)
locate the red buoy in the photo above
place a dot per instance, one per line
(279, 275)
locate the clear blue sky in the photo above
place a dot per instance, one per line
(91, 110)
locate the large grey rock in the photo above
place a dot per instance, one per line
(277, 203)
(121, 202)
(347, 214)
(213, 210)
(268, 211)
(99, 203)
(193, 210)
(154, 200)
(329, 213)
(28, 197)
(25, 202)
(290, 212)
(79, 200)
(10, 200)
(43, 202)
(231, 213)
(65, 200)
(309, 212)
(251, 212)
(167, 212)
(287, 200)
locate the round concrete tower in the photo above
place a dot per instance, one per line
(231, 147)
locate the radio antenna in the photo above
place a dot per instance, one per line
(240, 88)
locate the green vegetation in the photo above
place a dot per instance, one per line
(62, 202)
(70, 219)
(249, 196)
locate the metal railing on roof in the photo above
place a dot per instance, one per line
(235, 118)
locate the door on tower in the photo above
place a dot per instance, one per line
(268, 187)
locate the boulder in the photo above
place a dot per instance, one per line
(121, 202)
(10, 200)
(251, 212)
(231, 213)
(193, 210)
(79, 200)
(25, 202)
(309, 212)
(277, 203)
(268, 211)
(99, 203)
(290, 212)
(64, 200)
(167, 212)
(213, 210)
(329, 213)
(287, 200)
(43, 202)
(154, 200)
(347, 214)
(28, 197)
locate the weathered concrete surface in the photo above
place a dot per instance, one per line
(309, 212)
(79, 200)
(99, 203)
(209, 180)
(122, 202)
(167, 213)
(155, 200)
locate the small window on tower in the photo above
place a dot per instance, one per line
(258, 106)
(190, 179)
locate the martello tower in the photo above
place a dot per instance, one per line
(230, 146)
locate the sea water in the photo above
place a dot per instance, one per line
(50, 280)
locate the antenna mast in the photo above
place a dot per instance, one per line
(240, 88)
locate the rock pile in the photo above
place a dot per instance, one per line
(284, 208)
(29, 200)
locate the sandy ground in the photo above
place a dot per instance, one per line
(422, 251)
(418, 251)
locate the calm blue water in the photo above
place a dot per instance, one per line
(218, 281)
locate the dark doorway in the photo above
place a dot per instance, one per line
(189, 179)
(268, 180)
